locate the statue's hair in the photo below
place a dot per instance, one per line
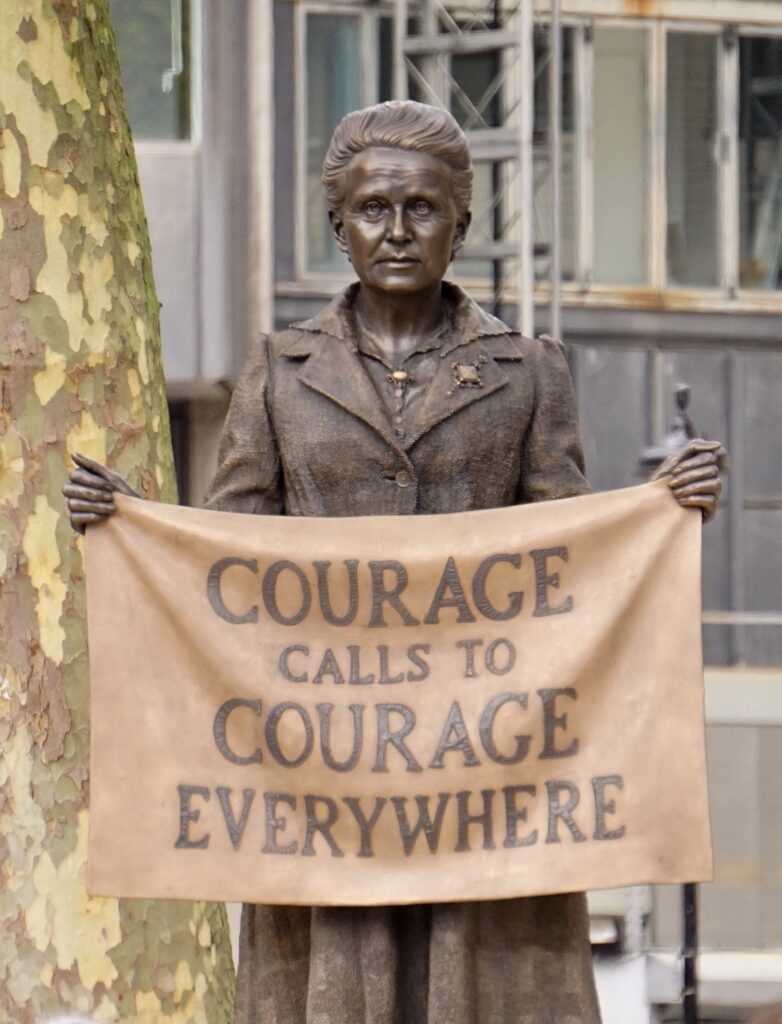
(398, 124)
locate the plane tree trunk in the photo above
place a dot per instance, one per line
(80, 369)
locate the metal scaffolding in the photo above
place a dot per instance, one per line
(432, 42)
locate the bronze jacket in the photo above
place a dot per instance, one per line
(307, 434)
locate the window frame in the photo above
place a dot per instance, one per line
(708, 17)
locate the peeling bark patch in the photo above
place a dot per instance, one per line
(27, 31)
(19, 283)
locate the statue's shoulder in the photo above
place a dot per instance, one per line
(293, 342)
(509, 344)
(303, 337)
(543, 348)
(542, 357)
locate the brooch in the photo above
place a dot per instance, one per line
(467, 375)
(400, 379)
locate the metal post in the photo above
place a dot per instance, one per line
(523, 93)
(555, 149)
(634, 922)
(690, 953)
(681, 431)
(261, 181)
(496, 187)
(399, 88)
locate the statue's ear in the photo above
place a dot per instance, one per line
(460, 234)
(338, 230)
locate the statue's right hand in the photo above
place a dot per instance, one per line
(90, 492)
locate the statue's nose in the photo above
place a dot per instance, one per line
(398, 228)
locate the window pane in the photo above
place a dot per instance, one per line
(144, 36)
(692, 241)
(385, 59)
(621, 157)
(475, 100)
(475, 105)
(481, 231)
(760, 161)
(541, 228)
(333, 90)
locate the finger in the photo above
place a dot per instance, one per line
(693, 474)
(706, 504)
(100, 508)
(89, 479)
(706, 488)
(665, 469)
(703, 459)
(87, 463)
(693, 449)
(79, 491)
(711, 485)
(124, 487)
(84, 519)
(114, 480)
(700, 444)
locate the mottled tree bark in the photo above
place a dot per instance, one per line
(80, 370)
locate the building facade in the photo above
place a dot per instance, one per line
(668, 241)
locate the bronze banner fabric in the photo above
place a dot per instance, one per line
(397, 709)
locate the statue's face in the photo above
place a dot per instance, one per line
(398, 222)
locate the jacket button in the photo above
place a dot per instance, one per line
(403, 478)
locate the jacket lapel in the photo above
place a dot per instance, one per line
(445, 398)
(333, 366)
(335, 371)
(476, 338)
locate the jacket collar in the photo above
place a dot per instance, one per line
(335, 370)
(468, 322)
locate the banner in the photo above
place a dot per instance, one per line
(397, 709)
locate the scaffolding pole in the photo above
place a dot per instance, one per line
(555, 165)
(427, 35)
(525, 96)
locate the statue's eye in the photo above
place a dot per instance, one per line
(422, 208)
(373, 208)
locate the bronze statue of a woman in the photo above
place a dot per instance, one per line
(404, 397)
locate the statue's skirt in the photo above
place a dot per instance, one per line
(519, 961)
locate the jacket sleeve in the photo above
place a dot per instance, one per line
(552, 463)
(249, 476)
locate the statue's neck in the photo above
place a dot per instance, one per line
(397, 323)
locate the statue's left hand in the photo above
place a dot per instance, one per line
(693, 475)
(90, 492)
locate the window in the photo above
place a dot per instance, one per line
(760, 161)
(153, 40)
(692, 156)
(621, 156)
(671, 159)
